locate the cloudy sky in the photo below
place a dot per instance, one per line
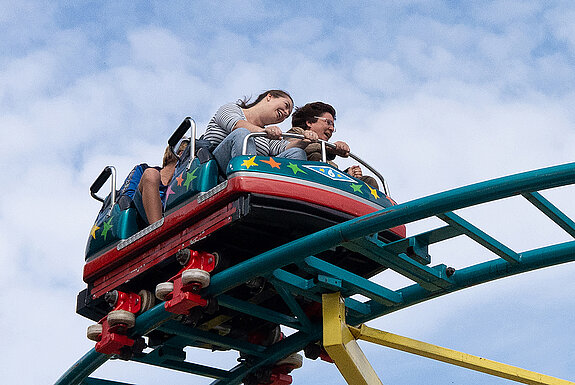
(434, 94)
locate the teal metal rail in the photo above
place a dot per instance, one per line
(408, 257)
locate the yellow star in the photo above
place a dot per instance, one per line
(373, 191)
(249, 162)
(93, 231)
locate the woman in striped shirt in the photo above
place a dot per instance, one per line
(233, 122)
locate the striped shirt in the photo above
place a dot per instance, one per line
(224, 121)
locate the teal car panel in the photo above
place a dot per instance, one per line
(318, 172)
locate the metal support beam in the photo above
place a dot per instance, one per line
(342, 346)
(258, 311)
(193, 336)
(357, 283)
(294, 306)
(98, 381)
(480, 237)
(551, 211)
(339, 341)
(429, 278)
(454, 357)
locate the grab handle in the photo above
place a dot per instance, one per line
(99, 182)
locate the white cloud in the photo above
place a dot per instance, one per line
(157, 48)
(296, 32)
(382, 77)
(561, 22)
(504, 12)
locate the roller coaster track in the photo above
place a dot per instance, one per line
(406, 257)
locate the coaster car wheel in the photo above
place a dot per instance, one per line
(116, 317)
(294, 360)
(216, 258)
(163, 289)
(147, 299)
(196, 276)
(94, 332)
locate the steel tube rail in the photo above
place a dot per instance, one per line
(478, 274)
(82, 368)
(92, 360)
(404, 213)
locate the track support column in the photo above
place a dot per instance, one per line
(454, 357)
(340, 342)
(342, 346)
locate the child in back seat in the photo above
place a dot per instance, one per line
(153, 184)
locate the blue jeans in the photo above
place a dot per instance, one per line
(140, 206)
(232, 145)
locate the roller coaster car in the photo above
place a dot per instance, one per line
(213, 220)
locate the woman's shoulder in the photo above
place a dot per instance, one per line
(230, 107)
(228, 112)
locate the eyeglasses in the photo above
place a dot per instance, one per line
(328, 121)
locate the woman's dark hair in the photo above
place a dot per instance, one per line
(243, 103)
(308, 113)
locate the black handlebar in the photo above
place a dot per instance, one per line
(100, 180)
(180, 132)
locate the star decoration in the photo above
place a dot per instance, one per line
(295, 168)
(249, 162)
(169, 192)
(107, 227)
(190, 176)
(272, 163)
(373, 191)
(179, 179)
(93, 231)
(339, 175)
(356, 188)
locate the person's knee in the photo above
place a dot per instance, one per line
(315, 157)
(237, 142)
(295, 153)
(150, 178)
(240, 131)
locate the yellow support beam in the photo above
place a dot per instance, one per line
(339, 341)
(342, 346)
(454, 357)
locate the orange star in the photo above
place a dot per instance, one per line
(249, 162)
(180, 179)
(272, 163)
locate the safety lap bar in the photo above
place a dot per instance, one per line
(324, 144)
(186, 125)
(99, 182)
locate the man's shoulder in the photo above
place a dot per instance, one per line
(296, 130)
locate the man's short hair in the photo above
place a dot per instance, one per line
(308, 113)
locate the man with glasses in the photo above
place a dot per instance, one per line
(319, 117)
